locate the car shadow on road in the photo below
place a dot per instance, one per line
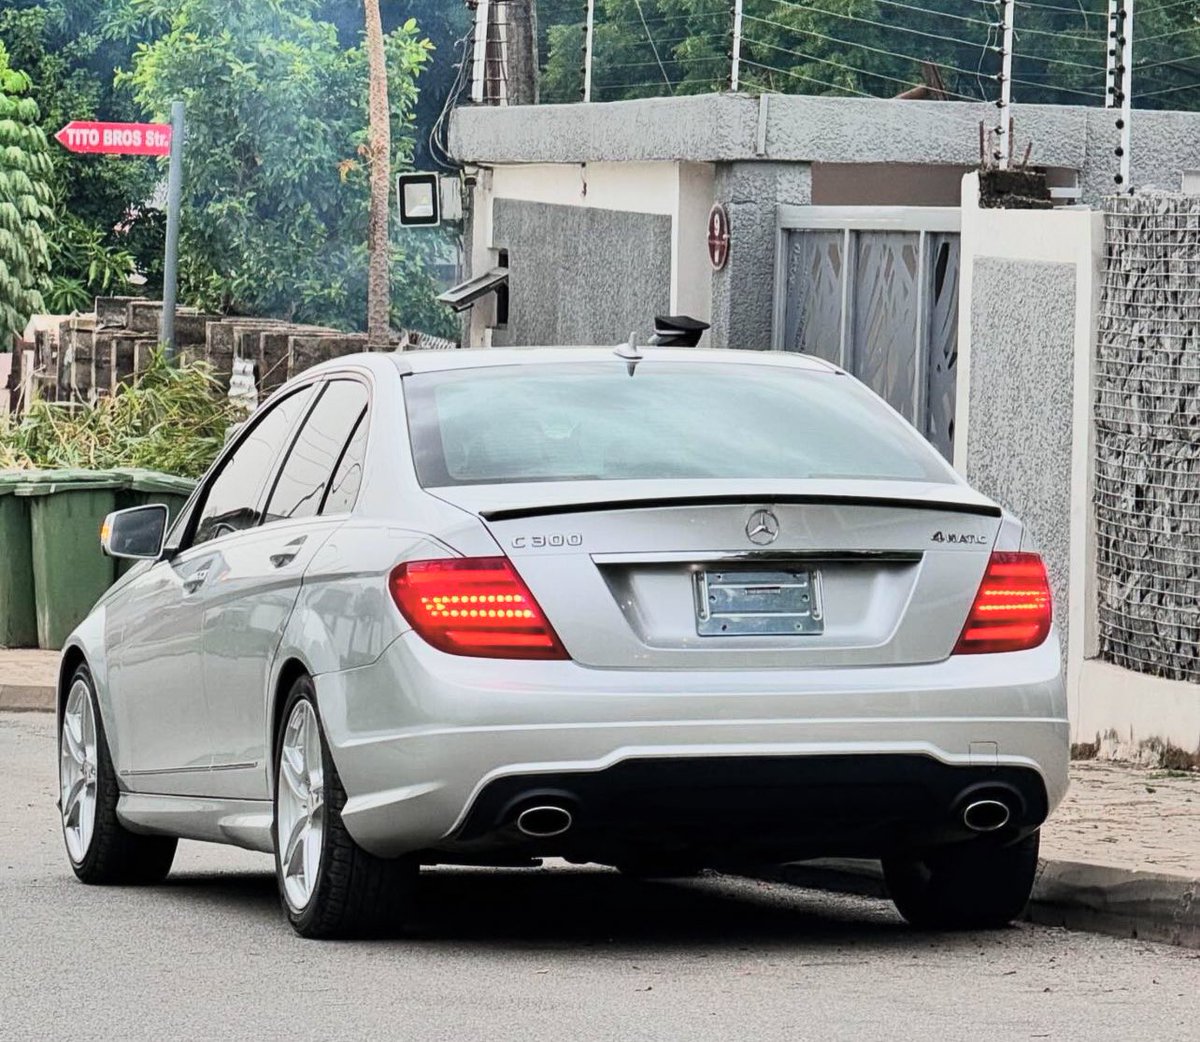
(595, 906)
(601, 906)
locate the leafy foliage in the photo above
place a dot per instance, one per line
(275, 181)
(24, 204)
(173, 418)
(445, 23)
(70, 49)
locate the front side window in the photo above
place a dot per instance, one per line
(232, 501)
(306, 475)
(668, 419)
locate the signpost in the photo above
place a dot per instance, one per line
(144, 139)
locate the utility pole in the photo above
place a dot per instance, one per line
(166, 327)
(521, 52)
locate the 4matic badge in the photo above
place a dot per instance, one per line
(959, 538)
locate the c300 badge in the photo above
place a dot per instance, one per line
(544, 542)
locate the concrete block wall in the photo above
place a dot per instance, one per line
(743, 291)
(87, 356)
(1027, 400)
(1029, 285)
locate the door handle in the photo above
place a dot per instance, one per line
(288, 554)
(194, 581)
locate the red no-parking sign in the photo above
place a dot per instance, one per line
(718, 236)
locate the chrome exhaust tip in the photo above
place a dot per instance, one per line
(544, 822)
(986, 815)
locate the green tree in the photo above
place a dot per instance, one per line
(276, 187)
(104, 231)
(24, 204)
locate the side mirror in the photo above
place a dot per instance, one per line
(137, 533)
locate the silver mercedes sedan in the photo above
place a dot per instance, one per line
(658, 609)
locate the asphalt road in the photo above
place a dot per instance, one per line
(560, 954)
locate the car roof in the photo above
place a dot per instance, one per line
(486, 357)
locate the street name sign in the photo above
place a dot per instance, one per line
(120, 139)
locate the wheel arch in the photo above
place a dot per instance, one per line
(291, 670)
(73, 657)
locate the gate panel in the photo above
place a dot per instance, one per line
(814, 309)
(884, 308)
(875, 290)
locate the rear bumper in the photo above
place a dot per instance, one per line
(435, 751)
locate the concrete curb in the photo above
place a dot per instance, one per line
(31, 698)
(1092, 898)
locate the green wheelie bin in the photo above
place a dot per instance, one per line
(142, 487)
(18, 623)
(70, 571)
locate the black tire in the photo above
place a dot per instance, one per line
(356, 894)
(971, 886)
(115, 856)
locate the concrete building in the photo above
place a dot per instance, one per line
(855, 233)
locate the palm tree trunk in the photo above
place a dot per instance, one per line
(379, 289)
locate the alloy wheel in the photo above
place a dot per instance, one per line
(78, 765)
(300, 805)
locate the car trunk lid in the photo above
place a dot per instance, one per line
(745, 574)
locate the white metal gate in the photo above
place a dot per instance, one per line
(875, 290)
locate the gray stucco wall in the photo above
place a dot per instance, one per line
(581, 276)
(743, 291)
(1021, 394)
(799, 128)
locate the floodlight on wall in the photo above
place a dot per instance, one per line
(420, 199)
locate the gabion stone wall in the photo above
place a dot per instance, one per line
(1148, 437)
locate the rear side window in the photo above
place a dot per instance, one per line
(233, 498)
(316, 452)
(669, 419)
(343, 490)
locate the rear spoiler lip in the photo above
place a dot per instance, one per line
(815, 499)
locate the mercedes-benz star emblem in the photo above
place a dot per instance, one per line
(762, 528)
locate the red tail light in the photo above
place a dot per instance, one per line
(1012, 608)
(474, 606)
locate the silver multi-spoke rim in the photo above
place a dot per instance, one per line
(77, 768)
(300, 817)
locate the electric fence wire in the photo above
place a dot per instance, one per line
(1085, 83)
(1180, 62)
(861, 46)
(906, 84)
(660, 53)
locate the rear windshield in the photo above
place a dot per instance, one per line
(668, 420)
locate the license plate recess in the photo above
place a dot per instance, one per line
(761, 602)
